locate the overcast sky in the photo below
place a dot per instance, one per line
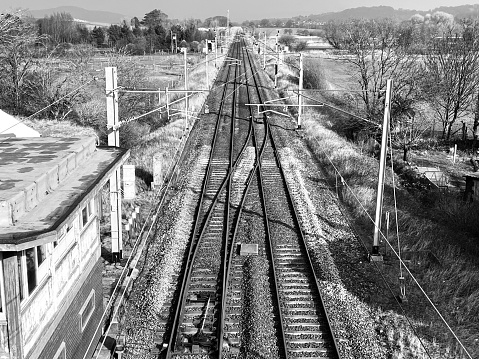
(239, 9)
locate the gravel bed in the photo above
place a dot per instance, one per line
(351, 320)
(259, 334)
(164, 259)
(241, 173)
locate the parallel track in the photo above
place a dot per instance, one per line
(210, 311)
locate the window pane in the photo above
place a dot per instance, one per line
(84, 216)
(41, 254)
(31, 270)
(91, 208)
(87, 310)
(20, 275)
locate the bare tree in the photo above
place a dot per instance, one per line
(376, 53)
(333, 34)
(17, 58)
(450, 69)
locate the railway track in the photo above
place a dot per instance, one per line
(248, 287)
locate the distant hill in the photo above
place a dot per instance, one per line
(378, 12)
(363, 12)
(91, 16)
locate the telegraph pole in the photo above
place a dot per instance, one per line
(375, 255)
(300, 88)
(228, 25)
(115, 180)
(216, 47)
(276, 66)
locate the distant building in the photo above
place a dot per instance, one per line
(51, 272)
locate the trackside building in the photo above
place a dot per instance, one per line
(51, 272)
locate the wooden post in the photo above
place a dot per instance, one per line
(114, 140)
(12, 304)
(132, 228)
(375, 256)
(138, 215)
(300, 87)
(264, 52)
(167, 102)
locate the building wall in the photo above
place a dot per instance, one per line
(69, 340)
(51, 315)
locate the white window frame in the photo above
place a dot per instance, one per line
(2, 289)
(61, 350)
(91, 297)
(41, 272)
(90, 210)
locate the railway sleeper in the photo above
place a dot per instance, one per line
(306, 327)
(201, 278)
(301, 316)
(294, 285)
(191, 330)
(293, 303)
(280, 262)
(310, 332)
(301, 289)
(299, 297)
(315, 340)
(233, 341)
(234, 310)
(313, 349)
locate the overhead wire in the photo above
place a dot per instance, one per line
(407, 269)
(399, 258)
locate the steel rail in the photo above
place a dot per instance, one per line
(190, 257)
(299, 228)
(266, 217)
(195, 244)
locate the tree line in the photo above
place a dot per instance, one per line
(38, 57)
(151, 34)
(433, 62)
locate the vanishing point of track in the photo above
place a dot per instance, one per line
(247, 288)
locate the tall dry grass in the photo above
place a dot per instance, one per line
(441, 239)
